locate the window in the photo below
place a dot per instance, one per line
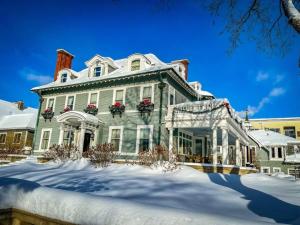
(68, 137)
(50, 103)
(45, 140)
(135, 65)
(185, 143)
(290, 131)
(144, 137)
(265, 170)
(298, 133)
(17, 138)
(171, 99)
(119, 96)
(63, 78)
(279, 151)
(2, 138)
(277, 130)
(276, 169)
(115, 138)
(93, 98)
(147, 93)
(70, 102)
(97, 71)
(273, 152)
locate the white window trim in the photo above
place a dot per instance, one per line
(138, 135)
(142, 92)
(54, 97)
(66, 101)
(60, 77)
(114, 95)
(276, 153)
(171, 89)
(14, 137)
(276, 168)
(121, 136)
(4, 138)
(89, 98)
(265, 167)
(102, 66)
(41, 138)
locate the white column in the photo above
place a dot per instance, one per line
(214, 146)
(170, 142)
(95, 136)
(245, 155)
(61, 135)
(225, 146)
(82, 133)
(237, 152)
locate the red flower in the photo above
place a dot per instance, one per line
(48, 110)
(91, 106)
(67, 109)
(147, 101)
(117, 104)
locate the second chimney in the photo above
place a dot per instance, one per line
(185, 63)
(64, 60)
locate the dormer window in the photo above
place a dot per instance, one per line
(63, 78)
(135, 65)
(97, 71)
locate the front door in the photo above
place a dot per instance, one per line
(86, 143)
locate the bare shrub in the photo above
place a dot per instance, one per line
(4, 153)
(62, 152)
(101, 155)
(159, 156)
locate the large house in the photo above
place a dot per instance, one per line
(17, 125)
(136, 103)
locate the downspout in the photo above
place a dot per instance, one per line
(37, 120)
(161, 87)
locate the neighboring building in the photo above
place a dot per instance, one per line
(274, 152)
(136, 103)
(286, 126)
(17, 125)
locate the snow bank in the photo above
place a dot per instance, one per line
(85, 209)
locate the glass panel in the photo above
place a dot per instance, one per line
(279, 153)
(119, 96)
(2, 138)
(116, 144)
(145, 133)
(97, 71)
(45, 140)
(50, 103)
(290, 131)
(147, 93)
(63, 78)
(115, 133)
(93, 99)
(273, 152)
(135, 65)
(70, 101)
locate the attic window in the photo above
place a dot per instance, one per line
(63, 78)
(135, 65)
(97, 71)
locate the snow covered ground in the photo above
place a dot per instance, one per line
(135, 195)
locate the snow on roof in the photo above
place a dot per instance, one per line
(277, 119)
(121, 71)
(205, 93)
(270, 138)
(18, 121)
(10, 108)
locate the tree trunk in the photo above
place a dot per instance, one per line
(292, 13)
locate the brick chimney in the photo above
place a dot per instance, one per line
(64, 60)
(185, 63)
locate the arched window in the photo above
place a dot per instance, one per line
(63, 78)
(97, 71)
(135, 64)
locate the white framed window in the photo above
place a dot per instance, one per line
(115, 137)
(70, 102)
(147, 93)
(135, 64)
(63, 78)
(144, 139)
(119, 96)
(45, 138)
(265, 170)
(50, 103)
(3, 138)
(93, 99)
(68, 138)
(17, 137)
(97, 71)
(276, 153)
(276, 169)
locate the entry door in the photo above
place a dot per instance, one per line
(87, 140)
(199, 146)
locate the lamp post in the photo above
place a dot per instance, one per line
(161, 87)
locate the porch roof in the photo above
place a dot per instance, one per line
(79, 116)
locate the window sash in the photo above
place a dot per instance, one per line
(279, 151)
(144, 142)
(45, 139)
(63, 78)
(135, 65)
(17, 138)
(70, 102)
(119, 96)
(97, 71)
(116, 138)
(68, 137)
(51, 103)
(93, 99)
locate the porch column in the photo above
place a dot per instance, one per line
(170, 142)
(225, 160)
(214, 146)
(81, 142)
(61, 135)
(237, 152)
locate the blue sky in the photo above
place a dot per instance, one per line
(31, 31)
